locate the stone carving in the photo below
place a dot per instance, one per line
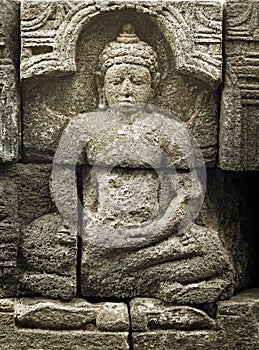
(240, 99)
(130, 180)
(38, 251)
(52, 47)
(237, 327)
(78, 314)
(48, 247)
(58, 80)
(9, 90)
(187, 267)
(43, 324)
(9, 233)
(150, 314)
(48, 258)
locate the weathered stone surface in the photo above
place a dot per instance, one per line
(177, 340)
(173, 268)
(238, 320)
(38, 249)
(48, 243)
(8, 221)
(9, 88)
(31, 183)
(78, 314)
(188, 269)
(69, 37)
(48, 252)
(9, 233)
(133, 215)
(46, 324)
(240, 99)
(136, 205)
(236, 327)
(226, 210)
(150, 314)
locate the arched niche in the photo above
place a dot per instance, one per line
(54, 51)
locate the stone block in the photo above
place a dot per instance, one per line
(8, 220)
(9, 234)
(77, 314)
(38, 248)
(42, 324)
(239, 132)
(31, 183)
(158, 326)
(60, 54)
(177, 340)
(9, 86)
(238, 320)
(153, 314)
(47, 258)
(48, 243)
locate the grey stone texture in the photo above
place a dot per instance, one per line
(238, 319)
(225, 210)
(77, 314)
(157, 326)
(9, 86)
(238, 139)
(112, 91)
(9, 233)
(48, 252)
(150, 314)
(201, 265)
(60, 59)
(136, 205)
(38, 249)
(46, 324)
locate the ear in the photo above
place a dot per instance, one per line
(99, 78)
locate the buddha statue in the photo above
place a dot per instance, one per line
(133, 243)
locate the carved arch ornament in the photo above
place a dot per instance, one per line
(189, 42)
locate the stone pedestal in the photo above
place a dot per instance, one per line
(161, 327)
(46, 324)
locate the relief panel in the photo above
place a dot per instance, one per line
(240, 99)
(61, 43)
(9, 85)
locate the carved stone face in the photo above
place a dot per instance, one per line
(126, 86)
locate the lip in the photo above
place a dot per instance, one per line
(126, 102)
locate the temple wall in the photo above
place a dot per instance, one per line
(129, 174)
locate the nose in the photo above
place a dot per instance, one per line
(126, 88)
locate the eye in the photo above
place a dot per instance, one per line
(138, 81)
(116, 81)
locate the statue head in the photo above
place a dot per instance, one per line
(128, 72)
